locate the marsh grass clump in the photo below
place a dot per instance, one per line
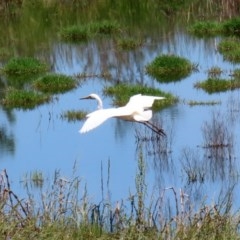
(72, 115)
(129, 43)
(105, 27)
(215, 72)
(25, 99)
(166, 68)
(230, 49)
(122, 93)
(232, 26)
(75, 33)
(24, 66)
(206, 28)
(213, 85)
(54, 83)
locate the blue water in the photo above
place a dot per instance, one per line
(46, 142)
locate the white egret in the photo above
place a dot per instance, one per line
(136, 110)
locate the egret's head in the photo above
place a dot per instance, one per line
(95, 97)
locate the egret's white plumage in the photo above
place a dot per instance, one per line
(136, 110)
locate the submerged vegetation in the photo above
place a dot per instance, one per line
(166, 68)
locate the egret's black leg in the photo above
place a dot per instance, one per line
(154, 128)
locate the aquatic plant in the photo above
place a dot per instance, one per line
(215, 72)
(232, 26)
(166, 68)
(212, 85)
(206, 28)
(54, 83)
(24, 99)
(75, 33)
(24, 66)
(73, 115)
(129, 43)
(122, 92)
(104, 27)
(230, 48)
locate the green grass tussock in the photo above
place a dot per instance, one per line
(54, 83)
(213, 85)
(166, 68)
(24, 66)
(122, 92)
(206, 28)
(24, 99)
(72, 115)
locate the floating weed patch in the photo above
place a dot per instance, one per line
(166, 68)
(129, 43)
(212, 85)
(122, 93)
(230, 48)
(72, 115)
(206, 28)
(24, 99)
(54, 83)
(75, 33)
(104, 27)
(24, 66)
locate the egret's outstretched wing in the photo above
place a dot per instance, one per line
(96, 118)
(143, 101)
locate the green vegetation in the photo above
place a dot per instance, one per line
(24, 66)
(212, 85)
(84, 32)
(214, 72)
(129, 43)
(122, 92)
(206, 28)
(23, 99)
(54, 83)
(72, 115)
(213, 28)
(166, 68)
(230, 48)
(202, 103)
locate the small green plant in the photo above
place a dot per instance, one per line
(24, 66)
(54, 83)
(122, 93)
(167, 68)
(215, 72)
(72, 115)
(206, 28)
(104, 27)
(230, 48)
(129, 43)
(24, 99)
(75, 33)
(212, 85)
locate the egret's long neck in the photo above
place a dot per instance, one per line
(100, 103)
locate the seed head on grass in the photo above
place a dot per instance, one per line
(54, 83)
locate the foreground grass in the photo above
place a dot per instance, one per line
(64, 211)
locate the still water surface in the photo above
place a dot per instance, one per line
(46, 142)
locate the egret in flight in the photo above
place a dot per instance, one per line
(136, 110)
